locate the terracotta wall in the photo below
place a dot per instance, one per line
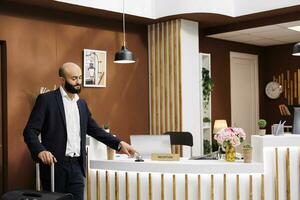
(278, 59)
(220, 71)
(38, 42)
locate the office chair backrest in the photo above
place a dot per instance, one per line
(181, 138)
(178, 139)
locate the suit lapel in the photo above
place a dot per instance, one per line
(81, 117)
(60, 106)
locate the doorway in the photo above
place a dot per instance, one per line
(244, 92)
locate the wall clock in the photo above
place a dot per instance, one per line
(273, 90)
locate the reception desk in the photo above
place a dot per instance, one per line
(273, 174)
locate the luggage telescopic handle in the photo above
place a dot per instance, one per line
(52, 177)
(38, 180)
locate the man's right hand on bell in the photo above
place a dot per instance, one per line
(47, 158)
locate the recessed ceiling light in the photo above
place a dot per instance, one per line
(295, 28)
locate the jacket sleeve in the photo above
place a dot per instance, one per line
(99, 133)
(34, 126)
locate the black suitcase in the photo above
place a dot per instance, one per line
(37, 195)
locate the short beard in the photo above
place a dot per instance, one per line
(71, 88)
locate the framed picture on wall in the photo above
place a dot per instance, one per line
(94, 68)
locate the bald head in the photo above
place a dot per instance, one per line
(68, 68)
(71, 76)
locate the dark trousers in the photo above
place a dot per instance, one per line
(68, 179)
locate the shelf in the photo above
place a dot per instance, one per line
(205, 104)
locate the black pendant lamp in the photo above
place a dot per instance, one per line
(124, 56)
(296, 49)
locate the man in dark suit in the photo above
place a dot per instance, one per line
(63, 120)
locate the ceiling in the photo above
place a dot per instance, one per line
(261, 29)
(206, 20)
(264, 35)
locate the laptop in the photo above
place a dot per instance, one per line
(145, 145)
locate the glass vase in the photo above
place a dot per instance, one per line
(230, 153)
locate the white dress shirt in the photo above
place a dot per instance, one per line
(72, 123)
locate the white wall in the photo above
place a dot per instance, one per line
(245, 7)
(190, 78)
(173, 7)
(142, 8)
(154, 9)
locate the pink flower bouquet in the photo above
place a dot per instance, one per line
(230, 136)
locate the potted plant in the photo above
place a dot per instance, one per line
(206, 86)
(247, 153)
(206, 122)
(262, 125)
(206, 147)
(228, 139)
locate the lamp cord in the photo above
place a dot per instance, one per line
(124, 43)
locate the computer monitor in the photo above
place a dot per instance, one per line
(296, 122)
(145, 145)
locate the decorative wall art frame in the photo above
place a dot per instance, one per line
(94, 68)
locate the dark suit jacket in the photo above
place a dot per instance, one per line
(48, 119)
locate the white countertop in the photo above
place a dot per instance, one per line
(182, 166)
(261, 142)
(277, 141)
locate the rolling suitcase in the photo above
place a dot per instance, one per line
(37, 195)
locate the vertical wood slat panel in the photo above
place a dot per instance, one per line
(238, 187)
(127, 193)
(224, 187)
(212, 192)
(186, 186)
(295, 85)
(175, 57)
(165, 77)
(98, 187)
(88, 179)
(174, 187)
(288, 177)
(107, 186)
(162, 194)
(150, 186)
(179, 74)
(292, 92)
(262, 187)
(250, 188)
(298, 75)
(117, 195)
(161, 80)
(167, 116)
(285, 89)
(152, 78)
(171, 65)
(199, 187)
(138, 187)
(282, 81)
(88, 187)
(276, 175)
(279, 79)
(288, 87)
(157, 83)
